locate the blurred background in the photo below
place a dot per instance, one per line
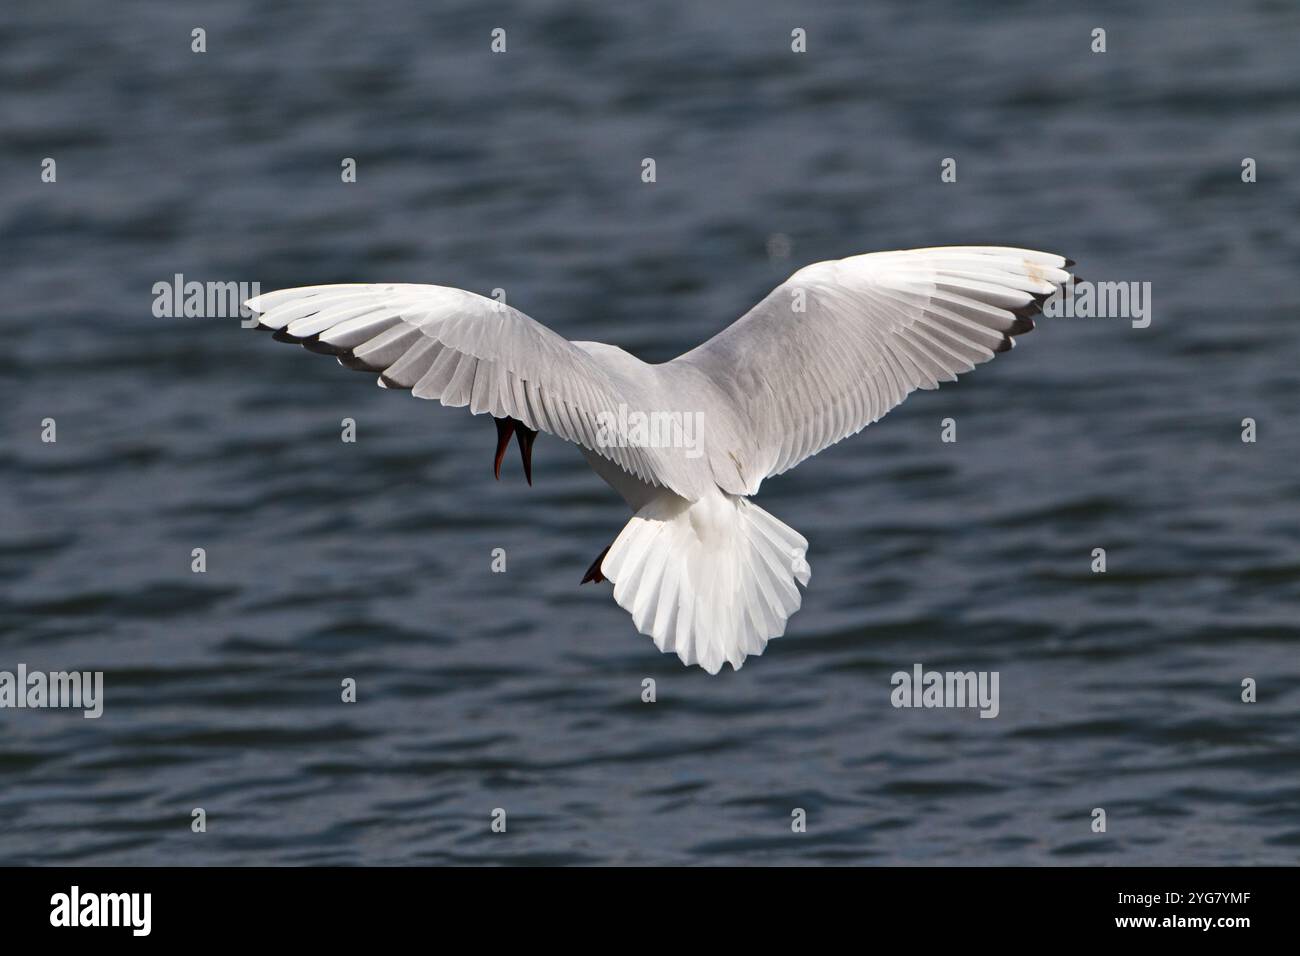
(521, 690)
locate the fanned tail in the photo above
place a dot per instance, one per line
(712, 580)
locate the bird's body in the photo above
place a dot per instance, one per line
(704, 571)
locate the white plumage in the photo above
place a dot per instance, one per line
(705, 572)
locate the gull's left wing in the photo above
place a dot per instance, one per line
(463, 349)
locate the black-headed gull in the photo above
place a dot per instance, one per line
(703, 570)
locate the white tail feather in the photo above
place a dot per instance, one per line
(712, 580)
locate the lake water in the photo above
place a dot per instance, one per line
(522, 690)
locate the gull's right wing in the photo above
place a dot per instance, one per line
(840, 343)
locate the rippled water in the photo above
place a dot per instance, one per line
(522, 690)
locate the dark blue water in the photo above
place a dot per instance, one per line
(521, 690)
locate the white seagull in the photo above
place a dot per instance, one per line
(703, 570)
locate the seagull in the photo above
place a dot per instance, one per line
(704, 572)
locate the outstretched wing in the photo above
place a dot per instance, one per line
(464, 350)
(840, 343)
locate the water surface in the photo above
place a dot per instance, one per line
(521, 690)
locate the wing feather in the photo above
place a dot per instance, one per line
(463, 349)
(872, 329)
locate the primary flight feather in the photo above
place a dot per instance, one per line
(704, 571)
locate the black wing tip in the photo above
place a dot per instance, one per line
(314, 344)
(348, 360)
